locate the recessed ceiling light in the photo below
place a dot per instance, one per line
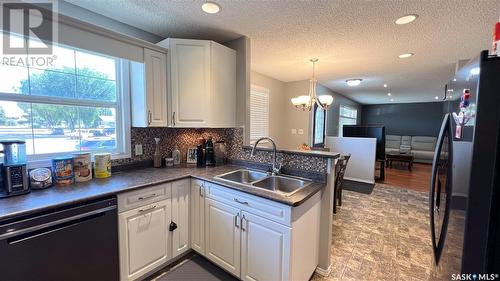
(391, 99)
(436, 97)
(406, 19)
(210, 7)
(353, 82)
(389, 94)
(454, 79)
(385, 85)
(404, 56)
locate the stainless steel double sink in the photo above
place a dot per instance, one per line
(282, 184)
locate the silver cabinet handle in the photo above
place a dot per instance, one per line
(147, 209)
(243, 221)
(147, 197)
(241, 202)
(201, 190)
(236, 218)
(150, 117)
(173, 118)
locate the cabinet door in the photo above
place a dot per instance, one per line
(143, 239)
(222, 233)
(190, 82)
(197, 213)
(265, 249)
(180, 216)
(223, 107)
(155, 64)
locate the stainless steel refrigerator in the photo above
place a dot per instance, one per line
(464, 199)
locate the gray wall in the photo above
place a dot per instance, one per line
(332, 116)
(411, 119)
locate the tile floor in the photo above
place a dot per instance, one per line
(382, 236)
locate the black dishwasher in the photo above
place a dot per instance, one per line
(79, 242)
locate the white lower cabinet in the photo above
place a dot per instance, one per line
(197, 213)
(180, 217)
(147, 238)
(222, 235)
(143, 239)
(253, 238)
(265, 251)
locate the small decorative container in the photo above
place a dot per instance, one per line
(40, 178)
(102, 165)
(82, 166)
(63, 170)
(169, 161)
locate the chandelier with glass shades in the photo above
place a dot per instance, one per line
(307, 102)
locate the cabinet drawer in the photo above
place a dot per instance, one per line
(143, 196)
(265, 208)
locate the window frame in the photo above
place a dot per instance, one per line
(121, 106)
(340, 133)
(322, 143)
(261, 90)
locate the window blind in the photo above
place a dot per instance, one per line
(259, 113)
(347, 116)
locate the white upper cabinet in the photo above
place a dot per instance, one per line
(149, 90)
(201, 80)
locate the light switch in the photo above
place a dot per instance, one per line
(138, 149)
(301, 131)
(294, 131)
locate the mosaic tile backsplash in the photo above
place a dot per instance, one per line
(185, 138)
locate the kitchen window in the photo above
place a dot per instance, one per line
(347, 116)
(259, 113)
(75, 103)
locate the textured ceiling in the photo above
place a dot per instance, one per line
(351, 38)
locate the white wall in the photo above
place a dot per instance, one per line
(361, 165)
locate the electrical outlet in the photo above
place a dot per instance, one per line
(294, 131)
(138, 149)
(300, 131)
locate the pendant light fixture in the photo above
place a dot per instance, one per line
(307, 102)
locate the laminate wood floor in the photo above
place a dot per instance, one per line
(417, 179)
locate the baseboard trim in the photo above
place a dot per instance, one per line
(324, 272)
(358, 180)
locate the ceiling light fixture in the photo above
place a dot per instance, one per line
(406, 19)
(385, 85)
(407, 55)
(389, 94)
(353, 82)
(210, 7)
(307, 102)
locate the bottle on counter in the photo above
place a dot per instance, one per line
(209, 152)
(176, 154)
(157, 154)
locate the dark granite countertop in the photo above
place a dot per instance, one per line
(40, 200)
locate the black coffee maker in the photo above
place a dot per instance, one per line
(13, 170)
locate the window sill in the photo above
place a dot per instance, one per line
(47, 162)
